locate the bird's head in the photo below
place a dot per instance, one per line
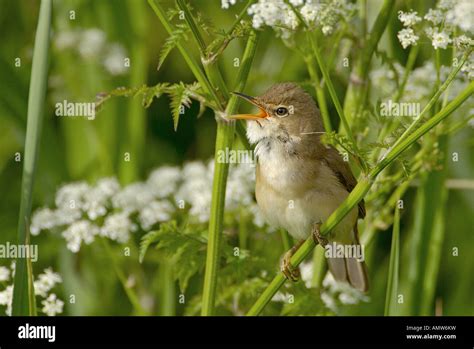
(285, 111)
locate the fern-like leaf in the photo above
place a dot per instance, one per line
(181, 95)
(185, 250)
(170, 43)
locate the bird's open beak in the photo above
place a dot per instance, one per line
(260, 115)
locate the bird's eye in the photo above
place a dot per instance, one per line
(281, 111)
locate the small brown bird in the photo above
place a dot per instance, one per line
(301, 181)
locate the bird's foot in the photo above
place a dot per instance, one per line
(292, 273)
(318, 238)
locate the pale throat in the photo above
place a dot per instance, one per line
(276, 152)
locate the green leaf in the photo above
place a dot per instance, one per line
(171, 42)
(23, 290)
(153, 92)
(180, 95)
(185, 250)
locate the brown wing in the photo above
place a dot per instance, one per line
(343, 172)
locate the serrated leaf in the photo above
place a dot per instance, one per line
(185, 250)
(154, 237)
(153, 92)
(180, 95)
(170, 43)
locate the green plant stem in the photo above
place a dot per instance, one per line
(136, 121)
(192, 63)
(23, 291)
(393, 273)
(210, 67)
(327, 79)
(286, 240)
(224, 139)
(358, 86)
(321, 98)
(330, 86)
(389, 126)
(406, 74)
(433, 99)
(212, 71)
(222, 43)
(167, 297)
(319, 267)
(358, 194)
(243, 229)
(131, 295)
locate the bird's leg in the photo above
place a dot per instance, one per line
(318, 238)
(292, 273)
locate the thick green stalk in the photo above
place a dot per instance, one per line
(320, 97)
(224, 139)
(210, 67)
(358, 194)
(167, 297)
(23, 291)
(136, 118)
(393, 273)
(319, 267)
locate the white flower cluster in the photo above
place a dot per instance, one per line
(105, 209)
(42, 285)
(337, 293)
(419, 86)
(280, 16)
(440, 24)
(273, 13)
(91, 44)
(407, 37)
(225, 4)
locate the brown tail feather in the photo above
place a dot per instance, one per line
(350, 270)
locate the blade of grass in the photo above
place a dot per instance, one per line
(358, 194)
(23, 291)
(393, 273)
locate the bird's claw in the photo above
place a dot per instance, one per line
(291, 273)
(318, 238)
